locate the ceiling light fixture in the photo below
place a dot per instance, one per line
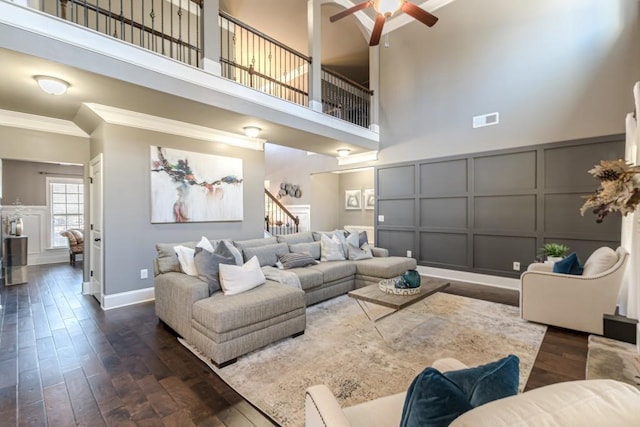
(343, 152)
(252, 131)
(387, 7)
(52, 85)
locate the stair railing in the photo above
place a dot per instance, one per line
(277, 218)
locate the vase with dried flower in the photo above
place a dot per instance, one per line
(619, 189)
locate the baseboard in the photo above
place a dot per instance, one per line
(465, 276)
(86, 288)
(50, 256)
(127, 298)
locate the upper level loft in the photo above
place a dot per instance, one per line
(193, 50)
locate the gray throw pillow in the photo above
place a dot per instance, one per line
(208, 264)
(268, 254)
(312, 248)
(294, 260)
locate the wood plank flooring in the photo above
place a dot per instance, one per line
(64, 361)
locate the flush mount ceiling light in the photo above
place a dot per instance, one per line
(252, 131)
(52, 85)
(343, 152)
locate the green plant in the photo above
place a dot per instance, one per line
(554, 249)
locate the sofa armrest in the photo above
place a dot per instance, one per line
(321, 409)
(175, 294)
(541, 266)
(380, 252)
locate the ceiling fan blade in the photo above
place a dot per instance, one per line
(421, 15)
(377, 30)
(351, 10)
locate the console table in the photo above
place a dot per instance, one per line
(15, 259)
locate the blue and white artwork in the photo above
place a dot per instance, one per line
(194, 187)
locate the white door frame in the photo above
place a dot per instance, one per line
(96, 231)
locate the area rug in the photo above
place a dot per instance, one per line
(342, 349)
(613, 359)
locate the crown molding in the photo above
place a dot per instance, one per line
(118, 116)
(20, 120)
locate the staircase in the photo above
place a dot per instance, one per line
(277, 219)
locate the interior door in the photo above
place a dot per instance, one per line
(95, 241)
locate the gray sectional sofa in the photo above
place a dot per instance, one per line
(225, 327)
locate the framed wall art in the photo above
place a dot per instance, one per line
(194, 187)
(352, 199)
(369, 199)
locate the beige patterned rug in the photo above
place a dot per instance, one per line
(342, 349)
(613, 359)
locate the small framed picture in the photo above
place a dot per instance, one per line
(352, 199)
(369, 199)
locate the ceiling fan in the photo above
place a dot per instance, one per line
(385, 9)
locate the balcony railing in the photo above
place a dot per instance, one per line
(169, 27)
(174, 28)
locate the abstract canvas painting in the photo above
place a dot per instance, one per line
(194, 187)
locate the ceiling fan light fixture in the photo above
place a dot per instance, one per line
(343, 152)
(387, 7)
(52, 85)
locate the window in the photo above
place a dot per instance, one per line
(66, 206)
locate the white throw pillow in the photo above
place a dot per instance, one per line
(330, 249)
(205, 244)
(600, 261)
(185, 257)
(236, 279)
(357, 252)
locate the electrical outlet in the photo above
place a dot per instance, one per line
(380, 218)
(516, 265)
(144, 273)
(408, 254)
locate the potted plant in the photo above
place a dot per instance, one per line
(554, 251)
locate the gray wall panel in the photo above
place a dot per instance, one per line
(396, 181)
(505, 172)
(505, 213)
(562, 215)
(398, 242)
(497, 253)
(444, 248)
(566, 167)
(448, 212)
(398, 212)
(443, 177)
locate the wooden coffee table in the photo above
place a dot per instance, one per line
(373, 295)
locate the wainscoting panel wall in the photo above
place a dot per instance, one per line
(484, 211)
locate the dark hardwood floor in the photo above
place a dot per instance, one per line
(64, 361)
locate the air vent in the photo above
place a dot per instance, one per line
(486, 120)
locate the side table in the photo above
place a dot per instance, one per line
(15, 259)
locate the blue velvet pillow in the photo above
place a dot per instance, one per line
(569, 265)
(435, 399)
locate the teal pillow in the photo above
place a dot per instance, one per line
(569, 265)
(435, 399)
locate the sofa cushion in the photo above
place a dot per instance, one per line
(335, 270)
(356, 252)
(235, 279)
(185, 258)
(568, 265)
(208, 264)
(331, 249)
(312, 248)
(600, 261)
(386, 267)
(309, 278)
(291, 239)
(223, 313)
(267, 254)
(252, 243)
(436, 399)
(295, 259)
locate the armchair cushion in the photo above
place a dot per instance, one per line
(436, 399)
(600, 261)
(569, 265)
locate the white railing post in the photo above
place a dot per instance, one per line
(314, 36)
(210, 30)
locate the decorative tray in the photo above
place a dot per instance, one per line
(389, 286)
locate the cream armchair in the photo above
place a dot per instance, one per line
(574, 302)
